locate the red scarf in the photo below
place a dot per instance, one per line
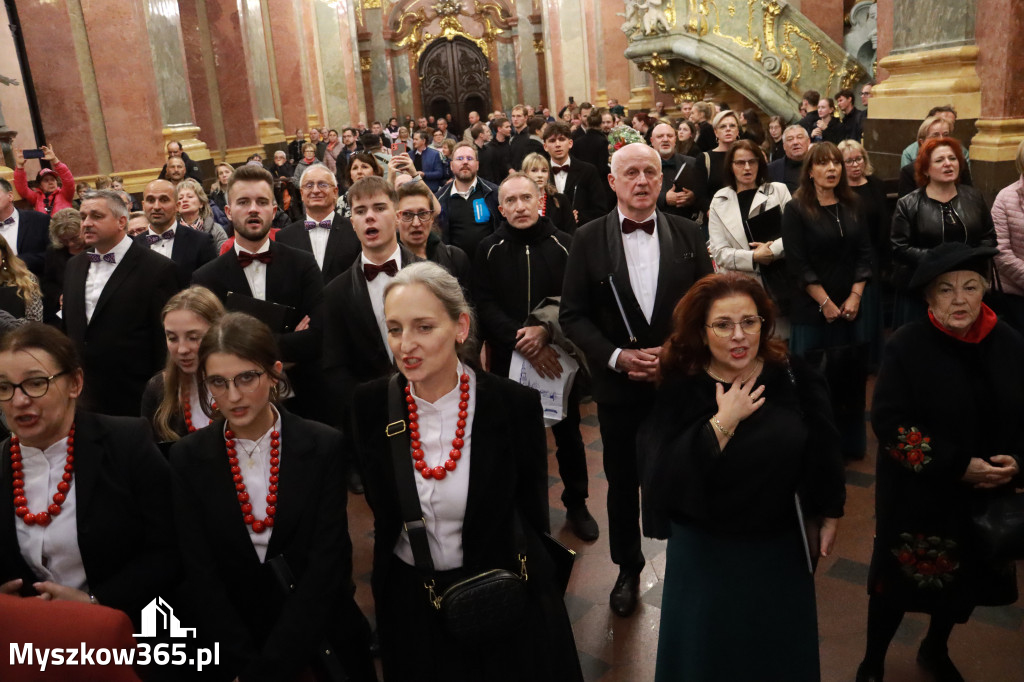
(979, 330)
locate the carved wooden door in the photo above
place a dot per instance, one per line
(455, 80)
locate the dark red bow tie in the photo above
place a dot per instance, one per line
(555, 170)
(631, 226)
(245, 258)
(371, 271)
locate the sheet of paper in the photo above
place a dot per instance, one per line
(554, 393)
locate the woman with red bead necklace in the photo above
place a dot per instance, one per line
(81, 484)
(171, 399)
(257, 492)
(480, 456)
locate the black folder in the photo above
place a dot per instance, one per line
(766, 226)
(280, 318)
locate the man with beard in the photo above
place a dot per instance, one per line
(175, 171)
(174, 151)
(515, 269)
(795, 143)
(469, 204)
(259, 268)
(324, 232)
(678, 170)
(189, 249)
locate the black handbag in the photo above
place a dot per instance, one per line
(1000, 528)
(474, 609)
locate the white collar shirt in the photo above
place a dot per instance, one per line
(254, 461)
(256, 273)
(376, 291)
(10, 230)
(468, 193)
(164, 246)
(51, 551)
(99, 274)
(560, 178)
(443, 502)
(318, 237)
(643, 258)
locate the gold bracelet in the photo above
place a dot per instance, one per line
(718, 425)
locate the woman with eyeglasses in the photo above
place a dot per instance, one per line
(91, 493)
(738, 429)
(417, 207)
(828, 251)
(259, 505)
(940, 210)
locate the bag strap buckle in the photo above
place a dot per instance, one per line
(395, 428)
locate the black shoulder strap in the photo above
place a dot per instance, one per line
(408, 498)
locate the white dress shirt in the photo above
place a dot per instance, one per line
(256, 273)
(560, 178)
(99, 274)
(51, 551)
(318, 238)
(443, 502)
(163, 246)
(643, 258)
(468, 193)
(376, 291)
(10, 231)
(199, 418)
(254, 460)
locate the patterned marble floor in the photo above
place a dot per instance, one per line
(990, 648)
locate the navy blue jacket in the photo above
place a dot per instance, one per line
(433, 168)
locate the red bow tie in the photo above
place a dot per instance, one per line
(631, 226)
(371, 271)
(555, 170)
(245, 258)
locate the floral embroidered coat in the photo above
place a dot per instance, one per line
(938, 402)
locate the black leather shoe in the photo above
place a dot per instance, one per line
(582, 523)
(936, 661)
(355, 483)
(866, 673)
(625, 594)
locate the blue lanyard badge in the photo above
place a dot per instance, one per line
(481, 213)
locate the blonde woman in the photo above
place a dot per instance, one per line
(553, 206)
(171, 399)
(194, 211)
(219, 188)
(20, 294)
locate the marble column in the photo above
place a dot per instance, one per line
(335, 63)
(293, 85)
(614, 76)
(202, 75)
(259, 51)
(530, 61)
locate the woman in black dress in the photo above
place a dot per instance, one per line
(259, 506)
(473, 489)
(947, 412)
(737, 431)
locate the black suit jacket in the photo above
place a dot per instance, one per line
(592, 147)
(33, 238)
(191, 250)
(669, 169)
(122, 509)
(233, 598)
(585, 191)
(123, 345)
(523, 149)
(342, 244)
(589, 314)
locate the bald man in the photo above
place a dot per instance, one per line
(189, 249)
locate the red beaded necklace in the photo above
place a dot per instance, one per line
(243, 497)
(438, 472)
(18, 480)
(186, 409)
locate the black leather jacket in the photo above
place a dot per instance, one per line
(918, 226)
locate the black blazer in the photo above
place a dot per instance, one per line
(669, 169)
(55, 262)
(585, 191)
(342, 244)
(192, 250)
(232, 597)
(123, 345)
(33, 239)
(122, 510)
(589, 315)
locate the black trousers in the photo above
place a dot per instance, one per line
(619, 425)
(571, 453)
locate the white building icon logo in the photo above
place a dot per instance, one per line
(158, 616)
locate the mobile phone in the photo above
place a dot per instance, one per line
(572, 100)
(398, 148)
(33, 153)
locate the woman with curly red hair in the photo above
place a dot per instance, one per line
(738, 429)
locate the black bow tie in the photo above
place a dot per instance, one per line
(245, 259)
(371, 271)
(631, 226)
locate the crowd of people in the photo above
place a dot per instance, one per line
(210, 373)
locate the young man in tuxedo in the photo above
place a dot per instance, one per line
(691, 200)
(188, 248)
(576, 179)
(268, 270)
(26, 232)
(113, 297)
(625, 274)
(324, 232)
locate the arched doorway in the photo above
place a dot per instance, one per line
(454, 80)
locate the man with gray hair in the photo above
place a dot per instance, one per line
(795, 143)
(113, 297)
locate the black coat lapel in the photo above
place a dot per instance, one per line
(298, 474)
(363, 310)
(485, 471)
(620, 272)
(214, 486)
(123, 271)
(667, 242)
(279, 270)
(89, 435)
(234, 275)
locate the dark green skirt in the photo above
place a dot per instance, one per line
(737, 608)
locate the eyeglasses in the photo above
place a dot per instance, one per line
(464, 159)
(33, 387)
(245, 382)
(855, 161)
(724, 328)
(748, 163)
(322, 186)
(409, 216)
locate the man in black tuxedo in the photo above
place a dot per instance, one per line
(324, 232)
(692, 199)
(188, 248)
(262, 269)
(113, 297)
(577, 180)
(26, 232)
(625, 274)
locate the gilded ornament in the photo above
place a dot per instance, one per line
(538, 45)
(366, 63)
(371, 4)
